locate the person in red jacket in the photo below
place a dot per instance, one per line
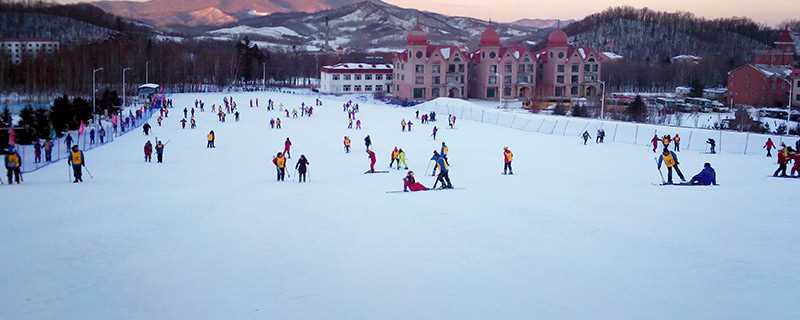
(287, 147)
(148, 151)
(796, 166)
(655, 142)
(372, 160)
(783, 159)
(769, 146)
(411, 184)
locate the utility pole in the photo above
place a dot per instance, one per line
(603, 101)
(94, 92)
(264, 66)
(147, 72)
(124, 92)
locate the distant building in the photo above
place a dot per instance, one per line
(501, 72)
(424, 71)
(18, 49)
(769, 79)
(346, 78)
(566, 72)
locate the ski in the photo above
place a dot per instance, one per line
(785, 177)
(437, 189)
(376, 171)
(684, 184)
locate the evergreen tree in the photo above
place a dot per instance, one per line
(697, 89)
(637, 111)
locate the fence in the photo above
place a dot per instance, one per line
(60, 151)
(616, 131)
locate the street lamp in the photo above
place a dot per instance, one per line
(124, 93)
(147, 72)
(603, 100)
(94, 91)
(790, 82)
(264, 67)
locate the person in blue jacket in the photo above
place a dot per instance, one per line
(706, 177)
(444, 176)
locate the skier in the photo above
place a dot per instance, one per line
(666, 141)
(403, 125)
(346, 144)
(452, 121)
(444, 175)
(409, 126)
(435, 130)
(434, 158)
(350, 124)
(91, 136)
(769, 146)
(37, 151)
(272, 123)
(671, 161)
(194, 123)
(411, 184)
(48, 150)
(77, 161)
(784, 155)
(706, 177)
(677, 140)
(444, 151)
(287, 147)
(586, 137)
(148, 151)
(13, 163)
(372, 160)
(394, 157)
(211, 137)
(598, 136)
(358, 124)
(796, 167)
(277, 123)
(185, 112)
(367, 141)
(508, 156)
(655, 141)
(302, 168)
(183, 123)
(102, 135)
(160, 151)
(401, 159)
(68, 141)
(417, 114)
(146, 128)
(280, 165)
(236, 116)
(712, 144)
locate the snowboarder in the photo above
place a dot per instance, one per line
(346, 144)
(302, 168)
(444, 175)
(367, 141)
(713, 144)
(435, 130)
(784, 155)
(280, 165)
(411, 184)
(211, 137)
(706, 177)
(13, 164)
(769, 146)
(287, 147)
(586, 137)
(146, 128)
(77, 161)
(655, 141)
(148, 151)
(508, 156)
(677, 141)
(671, 160)
(160, 151)
(372, 160)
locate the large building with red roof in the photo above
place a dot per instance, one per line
(770, 79)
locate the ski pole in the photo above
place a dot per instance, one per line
(87, 171)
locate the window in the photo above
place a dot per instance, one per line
(357, 88)
(378, 88)
(357, 76)
(368, 87)
(419, 80)
(507, 79)
(586, 68)
(460, 67)
(419, 93)
(561, 55)
(434, 92)
(559, 79)
(506, 91)
(573, 91)
(436, 68)
(388, 77)
(437, 80)
(335, 77)
(509, 68)
(560, 68)
(419, 54)
(530, 67)
(378, 77)
(491, 92)
(420, 68)
(346, 88)
(493, 68)
(574, 79)
(451, 68)
(575, 68)
(521, 68)
(559, 91)
(367, 76)
(492, 79)
(595, 67)
(346, 77)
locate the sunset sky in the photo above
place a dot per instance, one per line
(769, 12)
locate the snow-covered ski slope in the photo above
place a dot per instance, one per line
(580, 232)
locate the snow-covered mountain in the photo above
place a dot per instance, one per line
(542, 23)
(366, 25)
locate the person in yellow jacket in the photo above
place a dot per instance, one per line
(280, 165)
(77, 161)
(346, 144)
(211, 137)
(394, 157)
(13, 164)
(508, 156)
(671, 161)
(401, 159)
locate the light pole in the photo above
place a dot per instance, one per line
(147, 72)
(124, 93)
(603, 101)
(790, 82)
(264, 68)
(94, 91)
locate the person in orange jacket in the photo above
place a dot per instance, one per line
(346, 144)
(280, 165)
(508, 156)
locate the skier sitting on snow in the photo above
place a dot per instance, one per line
(671, 161)
(411, 184)
(706, 177)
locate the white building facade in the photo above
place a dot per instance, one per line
(18, 49)
(349, 78)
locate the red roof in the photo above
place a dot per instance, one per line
(489, 37)
(785, 37)
(557, 38)
(417, 37)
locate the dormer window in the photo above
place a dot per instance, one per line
(492, 55)
(419, 54)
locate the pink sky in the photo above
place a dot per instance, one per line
(769, 12)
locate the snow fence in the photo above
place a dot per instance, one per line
(616, 131)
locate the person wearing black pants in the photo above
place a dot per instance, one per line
(302, 168)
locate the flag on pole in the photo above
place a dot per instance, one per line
(11, 137)
(82, 128)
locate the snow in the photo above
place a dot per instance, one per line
(516, 54)
(445, 53)
(254, 12)
(582, 53)
(612, 55)
(272, 32)
(359, 66)
(580, 232)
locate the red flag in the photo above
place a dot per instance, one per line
(11, 137)
(82, 128)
